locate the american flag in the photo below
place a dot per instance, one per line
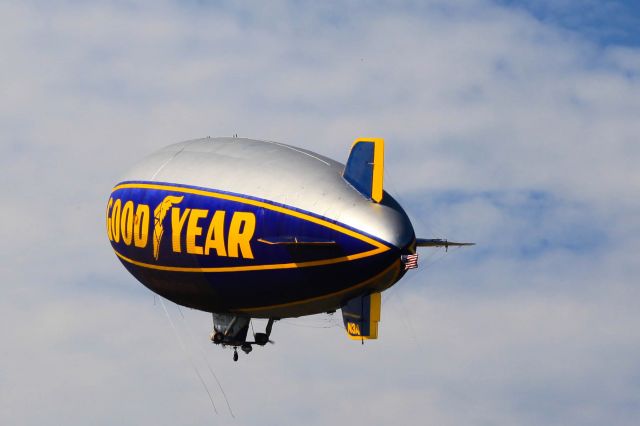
(410, 261)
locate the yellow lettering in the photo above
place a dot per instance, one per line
(177, 222)
(126, 222)
(193, 230)
(141, 229)
(216, 228)
(115, 217)
(243, 225)
(353, 329)
(109, 233)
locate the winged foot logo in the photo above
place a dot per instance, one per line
(158, 217)
(128, 223)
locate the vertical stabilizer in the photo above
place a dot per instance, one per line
(365, 167)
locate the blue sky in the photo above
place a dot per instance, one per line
(609, 23)
(511, 124)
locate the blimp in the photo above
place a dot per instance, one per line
(245, 228)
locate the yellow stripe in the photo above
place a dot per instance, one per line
(256, 203)
(374, 307)
(380, 248)
(252, 267)
(378, 170)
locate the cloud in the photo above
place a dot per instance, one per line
(502, 128)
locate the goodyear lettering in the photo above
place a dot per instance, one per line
(126, 222)
(115, 221)
(194, 231)
(109, 233)
(177, 222)
(141, 226)
(353, 329)
(243, 225)
(215, 235)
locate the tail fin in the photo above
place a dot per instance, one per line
(361, 316)
(365, 167)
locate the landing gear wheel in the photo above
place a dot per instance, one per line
(246, 348)
(235, 354)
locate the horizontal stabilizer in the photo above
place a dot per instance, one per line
(438, 242)
(361, 316)
(289, 240)
(365, 167)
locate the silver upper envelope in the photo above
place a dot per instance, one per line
(280, 174)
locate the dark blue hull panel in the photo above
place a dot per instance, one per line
(265, 293)
(222, 252)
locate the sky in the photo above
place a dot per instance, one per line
(513, 124)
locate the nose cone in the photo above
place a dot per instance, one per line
(386, 221)
(395, 226)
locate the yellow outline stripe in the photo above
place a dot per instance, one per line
(252, 267)
(380, 248)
